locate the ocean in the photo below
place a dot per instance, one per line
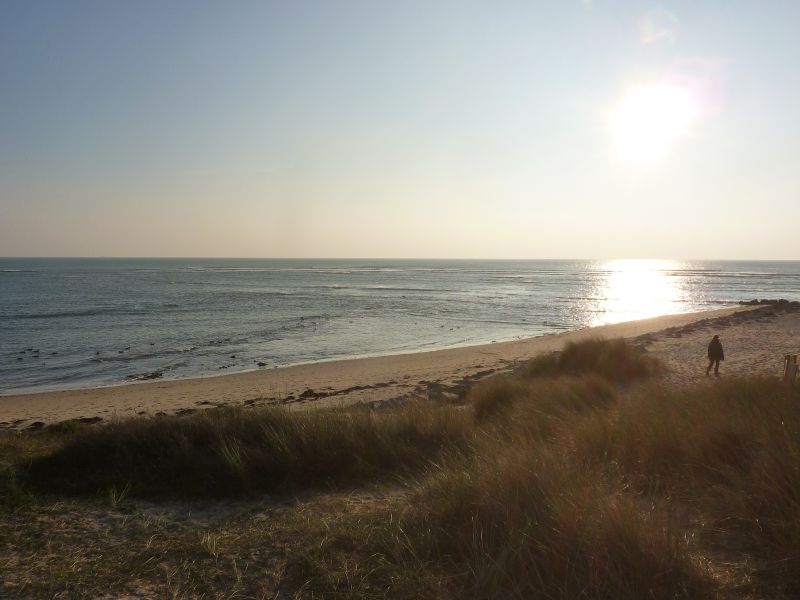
(71, 323)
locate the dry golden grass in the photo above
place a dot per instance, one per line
(563, 481)
(235, 451)
(614, 359)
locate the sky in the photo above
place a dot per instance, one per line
(413, 129)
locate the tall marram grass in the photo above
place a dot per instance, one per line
(523, 522)
(572, 488)
(615, 359)
(520, 516)
(596, 508)
(236, 451)
(731, 449)
(538, 400)
(555, 482)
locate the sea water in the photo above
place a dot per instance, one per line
(69, 323)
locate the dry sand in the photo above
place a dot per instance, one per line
(755, 341)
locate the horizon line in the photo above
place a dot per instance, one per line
(120, 257)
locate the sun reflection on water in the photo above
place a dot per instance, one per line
(638, 289)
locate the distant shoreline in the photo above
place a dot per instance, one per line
(84, 323)
(377, 379)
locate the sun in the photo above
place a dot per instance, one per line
(649, 120)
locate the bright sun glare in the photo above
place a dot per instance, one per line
(649, 120)
(637, 289)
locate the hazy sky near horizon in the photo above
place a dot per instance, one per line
(561, 129)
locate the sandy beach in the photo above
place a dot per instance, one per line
(755, 340)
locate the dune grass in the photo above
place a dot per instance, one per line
(538, 400)
(560, 481)
(615, 359)
(574, 489)
(235, 451)
(524, 523)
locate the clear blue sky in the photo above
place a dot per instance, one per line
(592, 129)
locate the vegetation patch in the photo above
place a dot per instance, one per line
(616, 360)
(236, 451)
(555, 482)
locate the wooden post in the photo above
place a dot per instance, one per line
(790, 368)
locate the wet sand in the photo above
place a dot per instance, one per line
(755, 340)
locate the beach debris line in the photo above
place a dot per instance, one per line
(763, 302)
(764, 314)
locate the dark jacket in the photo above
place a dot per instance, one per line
(715, 350)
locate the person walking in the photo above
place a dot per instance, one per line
(715, 354)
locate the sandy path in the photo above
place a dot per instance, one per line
(755, 343)
(752, 345)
